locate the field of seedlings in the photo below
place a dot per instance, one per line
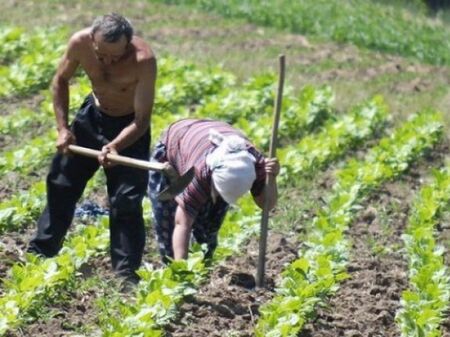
(359, 243)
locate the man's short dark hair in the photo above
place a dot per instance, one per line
(112, 27)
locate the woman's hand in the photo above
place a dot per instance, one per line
(272, 166)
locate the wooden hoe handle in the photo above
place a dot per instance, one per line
(118, 159)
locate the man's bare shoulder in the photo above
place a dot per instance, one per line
(79, 41)
(144, 53)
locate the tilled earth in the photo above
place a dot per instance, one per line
(366, 303)
(229, 302)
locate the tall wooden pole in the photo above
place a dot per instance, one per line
(270, 179)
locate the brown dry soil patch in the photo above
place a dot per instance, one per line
(229, 301)
(366, 303)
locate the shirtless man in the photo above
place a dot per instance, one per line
(114, 118)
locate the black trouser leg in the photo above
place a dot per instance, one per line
(65, 184)
(126, 189)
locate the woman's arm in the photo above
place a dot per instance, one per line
(181, 234)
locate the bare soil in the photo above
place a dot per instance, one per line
(229, 302)
(366, 303)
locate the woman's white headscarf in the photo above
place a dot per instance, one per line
(232, 166)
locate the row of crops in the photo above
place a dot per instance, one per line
(364, 23)
(313, 136)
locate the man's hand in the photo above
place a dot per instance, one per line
(65, 138)
(272, 166)
(103, 157)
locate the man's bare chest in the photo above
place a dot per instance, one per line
(114, 76)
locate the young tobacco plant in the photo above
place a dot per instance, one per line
(250, 109)
(424, 304)
(316, 275)
(29, 283)
(33, 70)
(336, 137)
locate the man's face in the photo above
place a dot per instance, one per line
(109, 53)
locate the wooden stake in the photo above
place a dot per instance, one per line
(269, 180)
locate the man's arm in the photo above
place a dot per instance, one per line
(272, 167)
(181, 233)
(60, 90)
(143, 106)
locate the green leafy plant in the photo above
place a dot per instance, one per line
(321, 266)
(424, 304)
(29, 283)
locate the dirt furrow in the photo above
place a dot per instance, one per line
(366, 303)
(227, 305)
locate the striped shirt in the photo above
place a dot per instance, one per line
(187, 145)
